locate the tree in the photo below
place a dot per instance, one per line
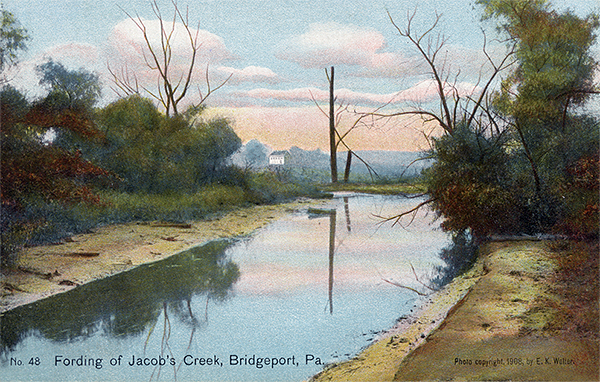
(173, 87)
(255, 154)
(69, 88)
(154, 153)
(540, 98)
(332, 130)
(524, 137)
(13, 38)
(466, 123)
(38, 172)
(336, 138)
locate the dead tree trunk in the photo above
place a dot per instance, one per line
(332, 144)
(348, 164)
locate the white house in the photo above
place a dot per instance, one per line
(278, 158)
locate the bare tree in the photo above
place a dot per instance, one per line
(332, 130)
(335, 116)
(172, 87)
(454, 108)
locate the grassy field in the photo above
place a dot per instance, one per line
(375, 188)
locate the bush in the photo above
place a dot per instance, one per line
(469, 183)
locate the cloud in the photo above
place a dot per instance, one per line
(332, 43)
(72, 55)
(306, 127)
(424, 91)
(128, 51)
(310, 93)
(253, 74)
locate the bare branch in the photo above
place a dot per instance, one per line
(405, 287)
(417, 278)
(429, 56)
(172, 88)
(397, 218)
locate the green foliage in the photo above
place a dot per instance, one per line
(555, 66)
(68, 88)
(520, 177)
(469, 183)
(13, 38)
(154, 153)
(271, 187)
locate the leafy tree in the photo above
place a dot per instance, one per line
(35, 171)
(511, 160)
(69, 88)
(540, 101)
(255, 154)
(469, 183)
(154, 153)
(41, 171)
(13, 38)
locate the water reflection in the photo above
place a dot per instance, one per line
(316, 213)
(279, 278)
(458, 257)
(128, 303)
(347, 212)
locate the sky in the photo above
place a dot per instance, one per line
(274, 53)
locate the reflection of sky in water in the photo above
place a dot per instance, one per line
(293, 253)
(279, 305)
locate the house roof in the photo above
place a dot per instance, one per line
(279, 152)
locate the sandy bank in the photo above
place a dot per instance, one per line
(527, 311)
(380, 361)
(47, 270)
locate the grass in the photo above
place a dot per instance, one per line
(374, 188)
(48, 222)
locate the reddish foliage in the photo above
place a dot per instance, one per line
(586, 173)
(583, 219)
(49, 172)
(33, 169)
(73, 120)
(483, 208)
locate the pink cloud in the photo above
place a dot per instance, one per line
(423, 91)
(250, 74)
(427, 90)
(127, 50)
(307, 127)
(80, 54)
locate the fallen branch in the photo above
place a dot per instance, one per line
(81, 254)
(400, 216)
(405, 287)
(417, 278)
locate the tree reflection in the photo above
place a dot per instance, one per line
(128, 303)
(458, 256)
(332, 223)
(314, 213)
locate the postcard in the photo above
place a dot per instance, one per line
(271, 190)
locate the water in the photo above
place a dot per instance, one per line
(309, 289)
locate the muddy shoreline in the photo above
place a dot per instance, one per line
(43, 271)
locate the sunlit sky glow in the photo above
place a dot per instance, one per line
(276, 53)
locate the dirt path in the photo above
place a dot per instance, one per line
(531, 313)
(51, 269)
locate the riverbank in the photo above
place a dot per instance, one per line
(46, 270)
(528, 310)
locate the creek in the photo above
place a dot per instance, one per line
(312, 288)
